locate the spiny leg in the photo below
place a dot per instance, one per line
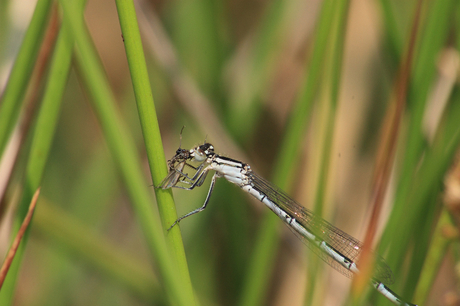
(211, 187)
(177, 175)
(184, 176)
(197, 183)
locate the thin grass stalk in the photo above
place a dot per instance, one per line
(331, 79)
(422, 242)
(331, 85)
(408, 213)
(434, 36)
(388, 145)
(404, 212)
(428, 182)
(41, 143)
(394, 40)
(152, 137)
(435, 257)
(29, 106)
(432, 171)
(122, 148)
(17, 240)
(4, 14)
(13, 95)
(423, 192)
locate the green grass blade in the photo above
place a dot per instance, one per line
(152, 137)
(330, 93)
(434, 259)
(424, 165)
(433, 38)
(392, 32)
(122, 148)
(41, 144)
(11, 101)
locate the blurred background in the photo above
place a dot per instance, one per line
(236, 74)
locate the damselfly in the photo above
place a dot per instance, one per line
(335, 247)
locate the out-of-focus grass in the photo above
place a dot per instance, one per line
(289, 84)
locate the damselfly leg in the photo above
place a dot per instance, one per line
(200, 209)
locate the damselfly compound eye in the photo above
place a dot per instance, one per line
(198, 154)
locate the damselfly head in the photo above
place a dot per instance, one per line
(200, 153)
